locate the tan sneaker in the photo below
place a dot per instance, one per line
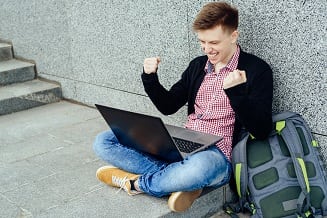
(117, 178)
(181, 201)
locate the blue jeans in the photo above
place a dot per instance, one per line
(159, 178)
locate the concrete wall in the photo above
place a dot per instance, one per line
(95, 48)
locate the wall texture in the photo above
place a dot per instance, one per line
(95, 48)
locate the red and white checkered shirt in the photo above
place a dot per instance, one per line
(213, 112)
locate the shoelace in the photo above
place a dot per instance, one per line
(120, 182)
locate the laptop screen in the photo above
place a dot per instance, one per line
(141, 132)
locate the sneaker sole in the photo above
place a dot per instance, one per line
(184, 199)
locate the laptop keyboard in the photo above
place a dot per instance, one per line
(186, 146)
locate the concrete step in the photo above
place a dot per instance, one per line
(5, 51)
(21, 96)
(14, 71)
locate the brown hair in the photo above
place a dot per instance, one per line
(215, 14)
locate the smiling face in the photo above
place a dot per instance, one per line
(218, 44)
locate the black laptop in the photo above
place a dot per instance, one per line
(150, 135)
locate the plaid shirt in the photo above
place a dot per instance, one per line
(213, 113)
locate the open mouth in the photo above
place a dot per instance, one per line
(210, 56)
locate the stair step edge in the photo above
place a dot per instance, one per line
(29, 95)
(14, 64)
(25, 88)
(6, 52)
(14, 71)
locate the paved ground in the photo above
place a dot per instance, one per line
(47, 169)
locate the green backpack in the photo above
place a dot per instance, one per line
(281, 176)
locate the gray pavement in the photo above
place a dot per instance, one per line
(47, 169)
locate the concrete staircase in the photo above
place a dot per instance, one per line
(20, 89)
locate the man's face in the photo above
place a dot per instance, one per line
(218, 44)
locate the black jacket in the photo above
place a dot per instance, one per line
(251, 101)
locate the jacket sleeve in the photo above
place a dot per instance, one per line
(252, 101)
(166, 101)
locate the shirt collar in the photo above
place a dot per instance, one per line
(232, 64)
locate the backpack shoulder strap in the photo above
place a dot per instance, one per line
(239, 162)
(287, 130)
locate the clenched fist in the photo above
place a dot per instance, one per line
(234, 78)
(151, 65)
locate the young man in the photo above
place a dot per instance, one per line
(227, 90)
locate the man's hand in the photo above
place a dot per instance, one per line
(234, 78)
(151, 65)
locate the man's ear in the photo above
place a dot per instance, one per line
(234, 36)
